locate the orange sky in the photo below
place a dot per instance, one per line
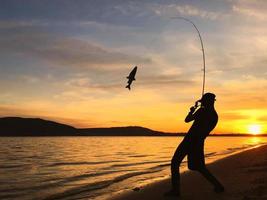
(72, 68)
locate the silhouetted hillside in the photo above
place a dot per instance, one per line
(122, 131)
(17, 126)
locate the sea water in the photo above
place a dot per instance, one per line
(94, 167)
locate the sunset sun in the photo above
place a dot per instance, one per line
(254, 129)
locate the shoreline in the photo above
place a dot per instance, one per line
(243, 174)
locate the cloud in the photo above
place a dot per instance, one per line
(189, 10)
(10, 24)
(30, 79)
(128, 12)
(90, 47)
(171, 80)
(125, 12)
(186, 10)
(233, 115)
(84, 88)
(263, 119)
(254, 13)
(255, 9)
(65, 51)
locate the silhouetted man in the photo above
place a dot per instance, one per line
(205, 119)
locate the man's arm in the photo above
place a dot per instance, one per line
(191, 115)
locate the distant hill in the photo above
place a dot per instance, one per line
(17, 126)
(123, 131)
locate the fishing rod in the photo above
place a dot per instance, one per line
(202, 48)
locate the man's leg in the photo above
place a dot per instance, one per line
(177, 158)
(218, 187)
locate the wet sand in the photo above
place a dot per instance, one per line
(244, 176)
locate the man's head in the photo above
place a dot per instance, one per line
(208, 99)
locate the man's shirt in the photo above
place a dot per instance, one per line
(205, 121)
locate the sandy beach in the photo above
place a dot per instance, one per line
(244, 176)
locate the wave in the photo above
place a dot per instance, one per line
(235, 149)
(95, 181)
(62, 182)
(135, 164)
(6, 166)
(139, 156)
(210, 154)
(97, 185)
(57, 182)
(88, 187)
(82, 163)
(231, 150)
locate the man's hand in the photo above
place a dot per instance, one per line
(192, 109)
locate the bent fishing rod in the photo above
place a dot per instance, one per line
(202, 48)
